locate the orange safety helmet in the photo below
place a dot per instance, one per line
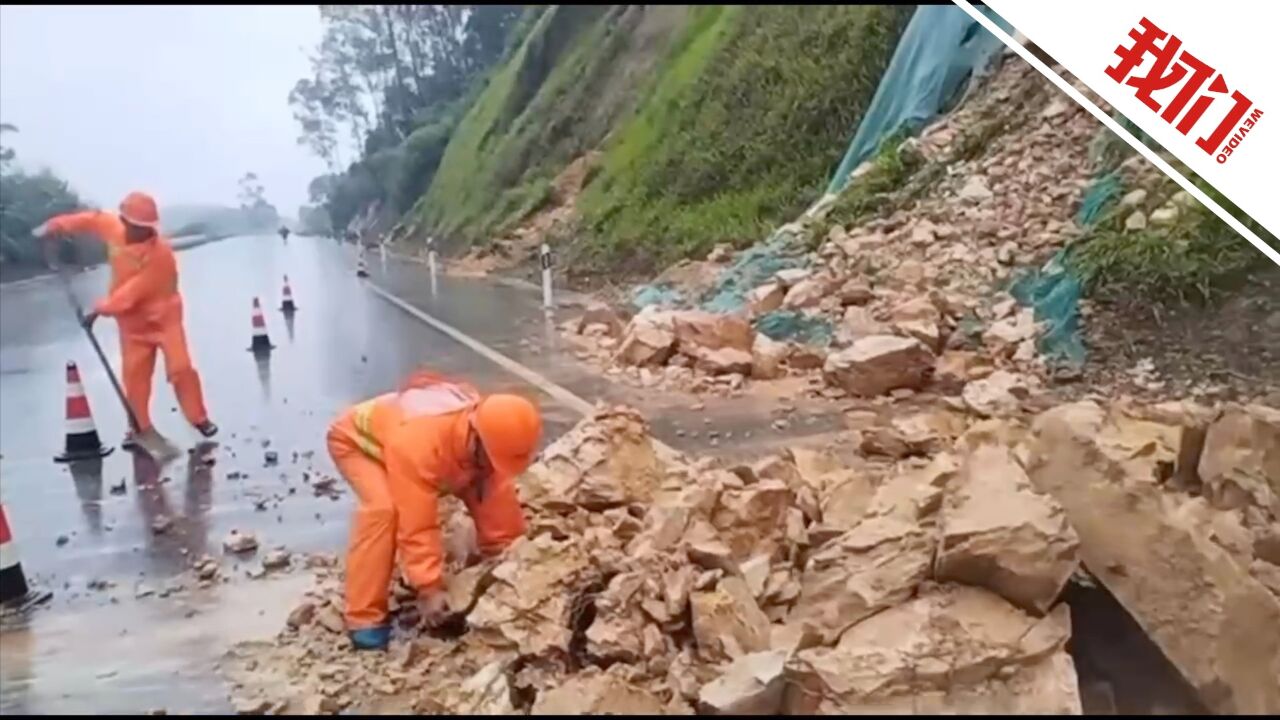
(510, 427)
(139, 208)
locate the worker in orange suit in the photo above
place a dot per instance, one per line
(145, 302)
(402, 450)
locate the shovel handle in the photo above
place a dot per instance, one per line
(97, 348)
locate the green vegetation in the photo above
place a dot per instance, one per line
(750, 113)
(877, 190)
(1195, 259)
(26, 201)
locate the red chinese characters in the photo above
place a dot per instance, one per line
(1172, 65)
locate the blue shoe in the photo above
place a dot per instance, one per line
(374, 638)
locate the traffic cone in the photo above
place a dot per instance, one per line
(13, 582)
(261, 343)
(362, 271)
(287, 305)
(82, 436)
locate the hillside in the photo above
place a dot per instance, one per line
(712, 124)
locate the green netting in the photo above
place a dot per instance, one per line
(1098, 197)
(941, 49)
(1054, 292)
(660, 295)
(791, 325)
(749, 269)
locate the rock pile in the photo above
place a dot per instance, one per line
(657, 583)
(911, 293)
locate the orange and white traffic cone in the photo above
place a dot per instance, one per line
(362, 270)
(82, 441)
(286, 305)
(13, 582)
(261, 343)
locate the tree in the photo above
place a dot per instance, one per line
(6, 154)
(257, 212)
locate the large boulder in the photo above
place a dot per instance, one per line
(877, 364)
(526, 608)
(1240, 462)
(876, 565)
(1193, 599)
(648, 340)
(999, 533)
(721, 361)
(711, 331)
(1000, 394)
(951, 650)
(607, 460)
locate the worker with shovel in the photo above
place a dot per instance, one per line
(399, 452)
(145, 302)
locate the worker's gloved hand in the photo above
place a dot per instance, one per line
(41, 230)
(88, 320)
(433, 607)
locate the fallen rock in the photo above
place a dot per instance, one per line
(1193, 600)
(858, 322)
(855, 292)
(999, 533)
(240, 542)
(600, 314)
(711, 331)
(767, 357)
(876, 565)
(789, 277)
(805, 357)
(951, 650)
(721, 361)
(608, 461)
(1240, 462)
(1004, 336)
(597, 693)
(648, 340)
(277, 559)
(765, 298)
(301, 615)
(806, 293)
(880, 363)
(751, 685)
(727, 622)
(997, 395)
(526, 609)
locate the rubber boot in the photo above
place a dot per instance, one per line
(374, 638)
(207, 428)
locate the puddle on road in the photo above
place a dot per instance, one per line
(139, 655)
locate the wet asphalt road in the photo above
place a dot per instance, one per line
(108, 651)
(104, 650)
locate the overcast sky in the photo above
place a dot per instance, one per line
(177, 101)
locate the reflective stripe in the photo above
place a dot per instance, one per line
(363, 416)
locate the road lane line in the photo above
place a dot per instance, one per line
(559, 392)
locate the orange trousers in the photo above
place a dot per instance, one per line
(371, 551)
(138, 356)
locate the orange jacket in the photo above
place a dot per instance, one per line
(144, 295)
(420, 436)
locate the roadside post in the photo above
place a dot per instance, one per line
(546, 260)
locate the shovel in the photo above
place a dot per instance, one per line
(153, 443)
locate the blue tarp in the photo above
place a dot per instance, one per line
(1054, 292)
(939, 51)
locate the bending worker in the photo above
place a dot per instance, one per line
(399, 452)
(145, 302)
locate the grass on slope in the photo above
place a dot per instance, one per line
(753, 109)
(552, 102)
